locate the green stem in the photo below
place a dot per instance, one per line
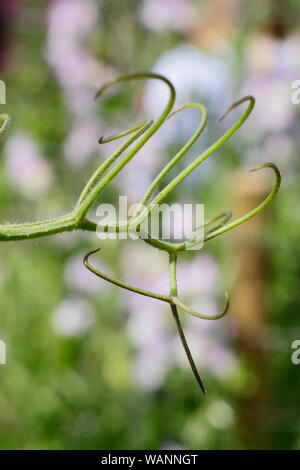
(174, 293)
(173, 274)
(44, 228)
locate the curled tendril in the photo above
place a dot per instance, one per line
(137, 136)
(202, 315)
(171, 299)
(259, 208)
(97, 184)
(125, 286)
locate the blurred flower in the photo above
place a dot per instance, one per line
(271, 66)
(81, 142)
(79, 278)
(73, 317)
(220, 414)
(200, 274)
(70, 24)
(195, 75)
(26, 169)
(158, 15)
(150, 367)
(277, 148)
(273, 111)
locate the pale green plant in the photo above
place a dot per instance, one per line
(76, 219)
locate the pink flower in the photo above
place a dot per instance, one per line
(72, 317)
(26, 169)
(82, 142)
(169, 14)
(81, 279)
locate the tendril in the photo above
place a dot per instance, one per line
(137, 136)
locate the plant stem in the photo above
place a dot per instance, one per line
(173, 293)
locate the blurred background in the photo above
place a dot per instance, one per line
(88, 365)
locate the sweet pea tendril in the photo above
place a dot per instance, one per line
(138, 135)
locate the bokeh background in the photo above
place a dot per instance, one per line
(92, 367)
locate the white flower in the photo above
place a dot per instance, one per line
(26, 169)
(150, 367)
(81, 142)
(69, 25)
(159, 15)
(79, 278)
(194, 74)
(73, 317)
